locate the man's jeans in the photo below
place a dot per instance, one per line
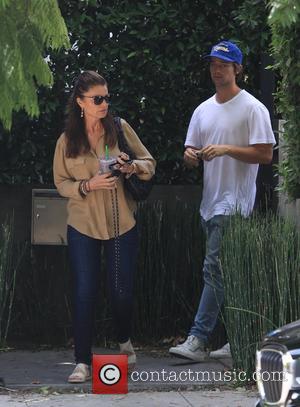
(213, 291)
(85, 259)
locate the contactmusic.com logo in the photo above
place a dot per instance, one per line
(110, 374)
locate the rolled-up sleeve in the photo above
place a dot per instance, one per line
(144, 161)
(65, 184)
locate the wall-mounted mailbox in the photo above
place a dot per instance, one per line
(49, 218)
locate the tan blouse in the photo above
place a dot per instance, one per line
(93, 215)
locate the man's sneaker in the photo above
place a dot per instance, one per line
(193, 348)
(222, 353)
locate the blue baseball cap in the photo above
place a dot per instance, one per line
(228, 51)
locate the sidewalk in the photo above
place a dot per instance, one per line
(224, 398)
(155, 370)
(158, 379)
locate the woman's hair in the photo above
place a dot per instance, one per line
(76, 137)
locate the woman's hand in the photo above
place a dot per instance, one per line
(122, 165)
(102, 181)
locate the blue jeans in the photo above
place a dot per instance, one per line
(213, 291)
(85, 253)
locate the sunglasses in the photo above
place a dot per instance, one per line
(99, 99)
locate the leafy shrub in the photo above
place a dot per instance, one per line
(285, 27)
(150, 52)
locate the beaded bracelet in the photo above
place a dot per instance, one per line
(83, 188)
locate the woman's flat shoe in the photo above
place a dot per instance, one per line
(80, 374)
(131, 362)
(126, 348)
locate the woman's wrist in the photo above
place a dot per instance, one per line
(88, 186)
(84, 187)
(132, 170)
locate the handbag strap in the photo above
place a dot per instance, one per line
(123, 145)
(116, 224)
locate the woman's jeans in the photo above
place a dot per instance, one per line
(213, 291)
(85, 257)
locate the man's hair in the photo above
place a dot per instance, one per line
(239, 72)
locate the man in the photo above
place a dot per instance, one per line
(232, 133)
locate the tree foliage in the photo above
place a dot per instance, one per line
(27, 28)
(284, 12)
(151, 54)
(284, 20)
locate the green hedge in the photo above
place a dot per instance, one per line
(285, 26)
(150, 52)
(261, 262)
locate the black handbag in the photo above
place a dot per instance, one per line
(139, 189)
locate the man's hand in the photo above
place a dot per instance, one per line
(190, 157)
(253, 154)
(212, 151)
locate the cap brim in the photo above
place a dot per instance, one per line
(219, 57)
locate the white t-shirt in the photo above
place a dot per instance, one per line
(229, 184)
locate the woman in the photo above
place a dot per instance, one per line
(100, 212)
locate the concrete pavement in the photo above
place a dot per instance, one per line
(40, 377)
(206, 398)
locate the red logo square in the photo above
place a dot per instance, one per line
(110, 374)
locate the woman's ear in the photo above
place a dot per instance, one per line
(79, 102)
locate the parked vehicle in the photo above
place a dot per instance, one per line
(278, 367)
